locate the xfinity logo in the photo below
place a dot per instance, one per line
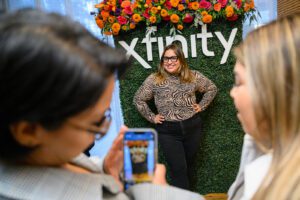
(192, 51)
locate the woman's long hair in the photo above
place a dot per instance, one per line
(271, 56)
(185, 74)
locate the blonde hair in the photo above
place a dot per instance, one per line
(185, 74)
(271, 56)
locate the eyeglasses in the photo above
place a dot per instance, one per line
(98, 128)
(172, 59)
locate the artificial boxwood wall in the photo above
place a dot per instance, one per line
(218, 157)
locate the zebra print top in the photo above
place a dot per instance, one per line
(172, 98)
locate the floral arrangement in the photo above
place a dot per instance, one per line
(124, 15)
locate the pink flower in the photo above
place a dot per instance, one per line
(238, 3)
(127, 10)
(205, 4)
(188, 18)
(223, 3)
(122, 20)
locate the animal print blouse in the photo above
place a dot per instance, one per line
(172, 98)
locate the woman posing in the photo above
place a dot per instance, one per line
(174, 88)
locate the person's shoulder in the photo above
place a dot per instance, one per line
(197, 74)
(151, 77)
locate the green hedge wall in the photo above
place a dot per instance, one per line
(219, 153)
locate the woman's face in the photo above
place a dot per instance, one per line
(59, 146)
(171, 62)
(242, 99)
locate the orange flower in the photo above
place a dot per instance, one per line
(164, 13)
(132, 26)
(125, 28)
(252, 4)
(229, 11)
(116, 27)
(104, 14)
(174, 18)
(154, 10)
(217, 7)
(181, 7)
(106, 7)
(100, 23)
(111, 19)
(174, 3)
(152, 19)
(99, 5)
(203, 13)
(207, 19)
(246, 7)
(125, 4)
(112, 2)
(115, 32)
(136, 18)
(107, 33)
(179, 27)
(195, 5)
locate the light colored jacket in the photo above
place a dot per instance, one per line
(254, 166)
(50, 183)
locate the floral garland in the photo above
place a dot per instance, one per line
(117, 16)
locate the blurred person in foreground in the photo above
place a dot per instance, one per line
(56, 84)
(267, 97)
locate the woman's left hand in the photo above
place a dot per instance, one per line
(197, 108)
(113, 162)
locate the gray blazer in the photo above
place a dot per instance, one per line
(50, 183)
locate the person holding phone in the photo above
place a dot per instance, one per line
(266, 95)
(174, 87)
(56, 84)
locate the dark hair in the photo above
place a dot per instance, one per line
(184, 72)
(50, 69)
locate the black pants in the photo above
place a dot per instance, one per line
(179, 142)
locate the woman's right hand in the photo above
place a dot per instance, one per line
(158, 119)
(159, 175)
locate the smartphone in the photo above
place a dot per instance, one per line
(140, 155)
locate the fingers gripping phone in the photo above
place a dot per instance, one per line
(140, 155)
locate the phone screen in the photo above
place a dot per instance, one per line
(139, 156)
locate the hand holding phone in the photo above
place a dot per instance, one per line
(140, 156)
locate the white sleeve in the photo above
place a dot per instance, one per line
(250, 152)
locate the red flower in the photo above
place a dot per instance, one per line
(223, 3)
(127, 10)
(188, 18)
(122, 20)
(233, 17)
(168, 5)
(238, 3)
(205, 4)
(167, 18)
(146, 14)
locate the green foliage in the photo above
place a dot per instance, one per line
(219, 153)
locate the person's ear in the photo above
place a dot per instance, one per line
(26, 133)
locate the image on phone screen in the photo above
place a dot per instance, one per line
(139, 157)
